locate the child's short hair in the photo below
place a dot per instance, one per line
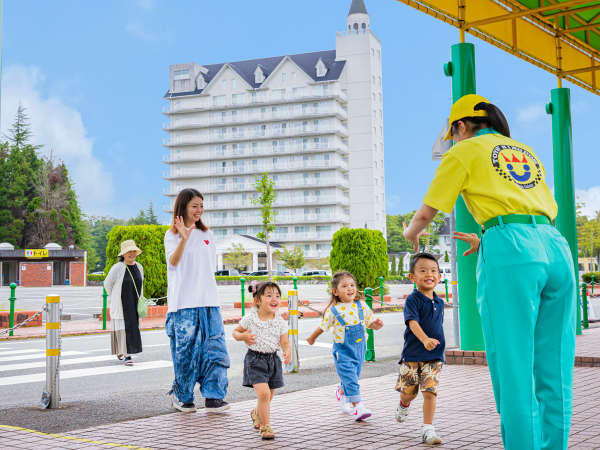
(417, 257)
(258, 289)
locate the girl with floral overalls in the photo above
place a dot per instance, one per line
(346, 317)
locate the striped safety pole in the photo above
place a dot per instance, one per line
(293, 330)
(53, 350)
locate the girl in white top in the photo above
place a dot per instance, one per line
(194, 323)
(265, 332)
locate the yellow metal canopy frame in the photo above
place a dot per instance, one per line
(559, 36)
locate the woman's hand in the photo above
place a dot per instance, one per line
(287, 355)
(470, 238)
(413, 238)
(183, 231)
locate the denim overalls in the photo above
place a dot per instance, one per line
(348, 356)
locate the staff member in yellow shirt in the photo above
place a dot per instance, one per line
(525, 283)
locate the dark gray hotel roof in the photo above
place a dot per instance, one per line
(306, 61)
(358, 7)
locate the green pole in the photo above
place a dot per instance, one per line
(586, 324)
(295, 283)
(12, 299)
(370, 354)
(592, 283)
(564, 185)
(104, 305)
(462, 71)
(242, 281)
(446, 286)
(381, 290)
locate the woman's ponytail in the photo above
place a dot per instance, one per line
(495, 117)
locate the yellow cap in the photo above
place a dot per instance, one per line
(465, 107)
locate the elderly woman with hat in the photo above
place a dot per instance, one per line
(124, 284)
(525, 281)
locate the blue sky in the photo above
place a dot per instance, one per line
(92, 76)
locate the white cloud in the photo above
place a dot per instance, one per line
(59, 127)
(531, 113)
(143, 32)
(590, 200)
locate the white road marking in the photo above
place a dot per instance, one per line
(16, 352)
(76, 373)
(40, 355)
(63, 362)
(316, 344)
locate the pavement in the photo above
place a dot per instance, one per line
(310, 419)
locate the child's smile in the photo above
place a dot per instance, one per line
(346, 290)
(269, 302)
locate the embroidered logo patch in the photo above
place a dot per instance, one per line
(206, 242)
(517, 165)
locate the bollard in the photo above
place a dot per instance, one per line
(51, 398)
(296, 284)
(242, 281)
(104, 306)
(293, 330)
(370, 354)
(586, 323)
(446, 285)
(12, 299)
(381, 290)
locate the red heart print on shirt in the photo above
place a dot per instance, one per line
(206, 242)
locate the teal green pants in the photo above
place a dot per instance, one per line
(526, 297)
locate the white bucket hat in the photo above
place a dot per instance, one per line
(129, 245)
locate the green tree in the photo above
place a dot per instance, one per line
(99, 227)
(150, 215)
(446, 257)
(361, 252)
(321, 263)
(393, 268)
(292, 259)
(19, 171)
(237, 257)
(265, 186)
(150, 239)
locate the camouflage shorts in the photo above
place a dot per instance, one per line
(417, 373)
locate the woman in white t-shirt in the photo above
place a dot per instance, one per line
(194, 323)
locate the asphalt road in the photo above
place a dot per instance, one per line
(97, 389)
(83, 302)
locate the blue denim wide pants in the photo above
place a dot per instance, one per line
(348, 357)
(527, 299)
(199, 352)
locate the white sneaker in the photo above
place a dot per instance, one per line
(347, 408)
(180, 406)
(339, 395)
(430, 437)
(361, 412)
(401, 412)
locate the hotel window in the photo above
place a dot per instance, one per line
(283, 76)
(233, 83)
(237, 99)
(239, 230)
(304, 108)
(223, 116)
(293, 76)
(315, 108)
(181, 85)
(233, 116)
(224, 84)
(218, 100)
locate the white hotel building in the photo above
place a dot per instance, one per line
(312, 121)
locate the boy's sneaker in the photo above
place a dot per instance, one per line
(401, 412)
(361, 412)
(128, 361)
(180, 406)
(347, 408)
(430, 437)
(215, 405)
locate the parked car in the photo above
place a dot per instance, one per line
(227, 273)
(259, 273)
(309, 273)
(446, 272)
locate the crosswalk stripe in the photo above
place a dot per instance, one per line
(40, 355)
(25, 350)
(76, 373)
(63, 362)
(317, 344)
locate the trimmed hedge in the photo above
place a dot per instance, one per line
(150, 239)
(361, 252)
(396, 277)
(587, 277)
(275, 278)
(96, 277)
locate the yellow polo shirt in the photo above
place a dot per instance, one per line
(496, 176)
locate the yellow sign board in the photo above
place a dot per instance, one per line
(36, 253)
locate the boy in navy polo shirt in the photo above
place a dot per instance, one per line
(424, 343)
